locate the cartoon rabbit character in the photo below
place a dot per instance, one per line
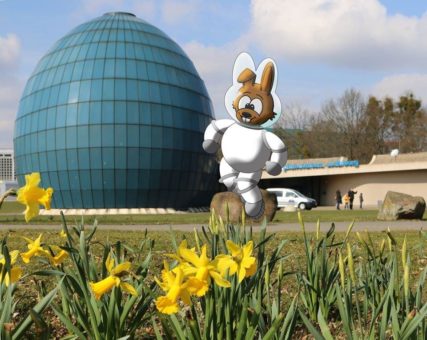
(246, 146)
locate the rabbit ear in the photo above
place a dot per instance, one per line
(247, 75)
(243, 61)
(267, 77)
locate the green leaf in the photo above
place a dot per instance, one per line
(310, 327)
(68, 323)
(19, 331)
(324, 328)
(177, 327)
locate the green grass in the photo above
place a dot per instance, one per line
(163, 244)
(11, 213)
(27, 292)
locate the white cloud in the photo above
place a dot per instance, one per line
(178, 11)
(10, 49)
(172, 12)
(398, 85)
(351, 33)
(215, 67)
(10, 92)
(10, 85)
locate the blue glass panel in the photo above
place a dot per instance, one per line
(71, 114)
(82, 136)
(120, 50)
(72, 160)
(120, 180)
(83, 113)
(107, 158)
(102, 48)
(95, 158)
(120, 158)
(120, 89)
(96, 90)
(145, 136)
(98, 69)
(95, 113)
(120, 68)
(83, 158)
(88, 69)
(108, 89)
(77, 71)
(120, 112)
(84, 93)
(95, 139)
(109, 68)
(132, 89)
(131, 71)
(107, 135)
(132, 135)
(107, 112)
(132, 113)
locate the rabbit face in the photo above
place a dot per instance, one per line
(254, 102)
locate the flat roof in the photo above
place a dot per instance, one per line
(379, 163)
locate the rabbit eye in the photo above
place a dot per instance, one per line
(257, 105)
(244, 101)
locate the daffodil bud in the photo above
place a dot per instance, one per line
(196, 238)
(280, 270)
(301, 222)
(267, 276)
(404, 252)
(406, 280)
(382, 246)
(412, 314)
(318, 229)
(349, 229)
(351, 263)
(341, 269)
(359, 237)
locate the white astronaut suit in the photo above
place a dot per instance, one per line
(247, 150)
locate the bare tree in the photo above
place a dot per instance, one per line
(294, 124)
(345, 116)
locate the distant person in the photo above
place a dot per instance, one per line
(338, 199)
(361, 200)
(346, 199)
(351, 194)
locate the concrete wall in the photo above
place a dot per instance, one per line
(374, 186)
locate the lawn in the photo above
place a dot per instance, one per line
(293, 253)
(11, 213)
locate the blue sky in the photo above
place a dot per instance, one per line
(321, 47)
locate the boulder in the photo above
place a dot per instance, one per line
(221, 199)
(398, 206)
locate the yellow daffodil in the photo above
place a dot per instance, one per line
(175, 287)
(34, 249)
(33, 196)
(177, 255)
(203, 270)
(15, 272)
(113, 280)
(60, 256)
(62, 234)
(240, 261)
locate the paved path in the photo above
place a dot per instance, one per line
(340, 226)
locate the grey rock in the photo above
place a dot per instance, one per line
(399, 206)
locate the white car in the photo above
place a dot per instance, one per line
(291, 197)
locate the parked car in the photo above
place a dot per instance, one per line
(291, 197)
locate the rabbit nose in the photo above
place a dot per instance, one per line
(246, 115)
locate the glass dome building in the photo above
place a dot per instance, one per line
(113, 116)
